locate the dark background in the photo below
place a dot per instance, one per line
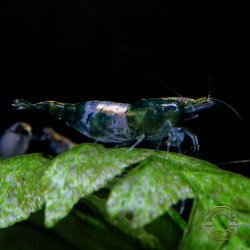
(73, 51)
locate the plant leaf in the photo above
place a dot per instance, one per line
(138, 203)
(76, 231)
(146, 240)
(20, 187)
(218, 188)
(80, 171)
(147, 192)
(166, 230)
(140, 193)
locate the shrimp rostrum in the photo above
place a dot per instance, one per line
(156, 120)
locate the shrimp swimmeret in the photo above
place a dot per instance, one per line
(155, 120)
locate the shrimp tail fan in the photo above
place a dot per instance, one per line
(22, 104)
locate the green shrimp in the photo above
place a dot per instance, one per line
(155, 120)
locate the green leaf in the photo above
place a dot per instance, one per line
(28, 236)
(147, 192)
(90, 233)
(218, 188)
(214, 187)
(81, 171)
(146, 240)
(143, 186)
(20, 187)
(166, 230)
(76, 231)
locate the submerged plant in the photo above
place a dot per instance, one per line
(101, 198)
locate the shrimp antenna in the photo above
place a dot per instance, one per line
(162, 83)
(233, 162)
(220, 101)
(155, 79)
(209, 86)
(228, 106)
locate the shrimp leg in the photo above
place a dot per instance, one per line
(139, 140)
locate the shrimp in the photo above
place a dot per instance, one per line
(57, 142)
(155, 120)
(15, 140)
